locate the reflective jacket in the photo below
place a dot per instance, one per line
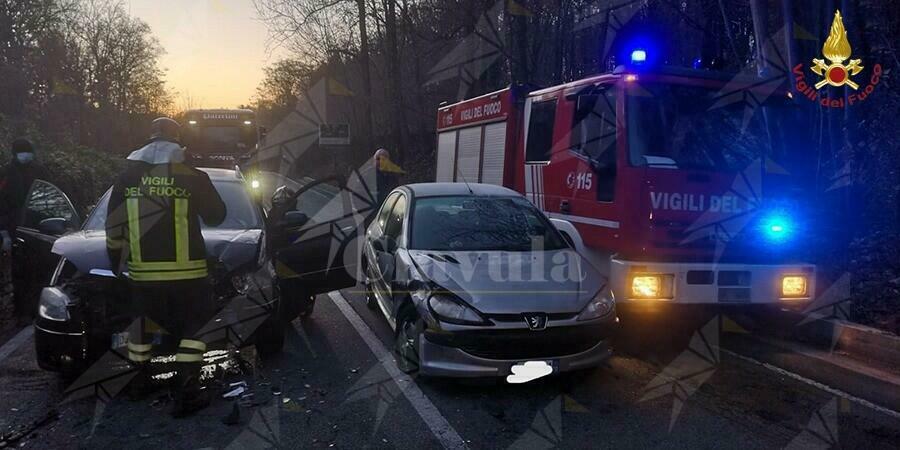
(154, 213)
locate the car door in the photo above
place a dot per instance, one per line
(385, 246)
(46, 215)
(314, 234)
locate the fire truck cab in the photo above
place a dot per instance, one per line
(675, 183)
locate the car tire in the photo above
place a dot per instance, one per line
(406, 342)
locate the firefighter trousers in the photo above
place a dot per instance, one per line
(181, 309)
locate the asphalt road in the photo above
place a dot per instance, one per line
(336, 386)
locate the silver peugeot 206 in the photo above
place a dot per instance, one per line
(477, 282)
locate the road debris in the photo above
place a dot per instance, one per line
(14, 436)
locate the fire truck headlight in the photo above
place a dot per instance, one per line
(794, 286)
(192, 122)
(658, 286)
(646, 286)
(254, 184)
(247, 122)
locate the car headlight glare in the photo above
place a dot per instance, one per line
(793, 286)
(54, 305)
(449, 309)
(602, 304)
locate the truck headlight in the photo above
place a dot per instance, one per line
(602, 304)
(651, 286)
(54, 305)
(451, 310)
(794, 286)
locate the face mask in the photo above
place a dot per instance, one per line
(25, 158)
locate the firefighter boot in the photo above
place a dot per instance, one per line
(190, 396)
(141, 385)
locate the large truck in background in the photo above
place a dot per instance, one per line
(220, 137)
(683, 186)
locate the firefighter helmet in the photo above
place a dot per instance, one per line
(164, 128)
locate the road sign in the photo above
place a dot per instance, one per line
(334, 134)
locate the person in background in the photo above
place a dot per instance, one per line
(387, 175)
(15, 183)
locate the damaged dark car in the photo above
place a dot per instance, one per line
(84, 308)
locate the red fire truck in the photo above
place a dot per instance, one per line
(676, 183)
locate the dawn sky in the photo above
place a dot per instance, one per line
(215, 49)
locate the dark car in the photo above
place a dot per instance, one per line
(84, 307)
(477, 282)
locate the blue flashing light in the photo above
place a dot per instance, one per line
(777, 227)
(638, 56)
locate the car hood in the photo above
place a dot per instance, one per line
(555, 281)
(232, 248)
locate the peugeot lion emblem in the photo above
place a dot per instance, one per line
(536, 321)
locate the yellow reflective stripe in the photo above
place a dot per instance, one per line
(140, 348)
(167, 265)
(139, 357)
(134, 228)
(168, 276)
(193, 345)
(184, 357)
(182, 251)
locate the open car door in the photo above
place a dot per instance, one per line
(46, 215)
(316, 230)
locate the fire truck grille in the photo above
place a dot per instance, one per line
(523, 344)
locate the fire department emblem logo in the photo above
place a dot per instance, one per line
(837, 50)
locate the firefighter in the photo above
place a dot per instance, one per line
(387, 174)
(153, 230)
(15, 183)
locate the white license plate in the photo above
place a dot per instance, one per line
(530, 371)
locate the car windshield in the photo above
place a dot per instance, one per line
(241, 212)
(466, 223)
(690, 127)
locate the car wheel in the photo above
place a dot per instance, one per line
(406, 344)
(269, 337)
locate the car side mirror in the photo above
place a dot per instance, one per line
(54, 226)
(293, 219)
